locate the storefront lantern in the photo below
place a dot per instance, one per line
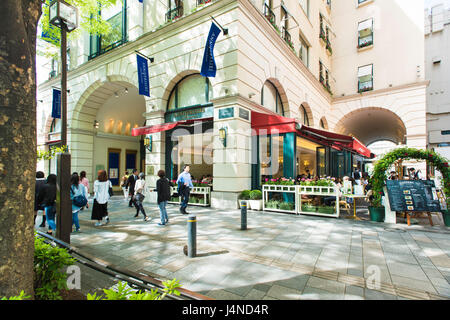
(63, 15)
(148, 143)
(223, 136)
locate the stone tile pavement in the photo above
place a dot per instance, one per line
(280, 256)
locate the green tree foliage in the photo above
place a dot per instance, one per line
(89, 20)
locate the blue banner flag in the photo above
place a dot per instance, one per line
(209, 65)
(143, 76)
(56, 104)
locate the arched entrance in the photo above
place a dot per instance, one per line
(101, 127)
(373, 124)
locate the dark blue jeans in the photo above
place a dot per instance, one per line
(184, 197)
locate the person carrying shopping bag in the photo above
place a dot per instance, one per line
(79, 197)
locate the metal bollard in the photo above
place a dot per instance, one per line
(192, 236)
(244, 215)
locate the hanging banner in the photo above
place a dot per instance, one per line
(143, 76)
(209, 65)
(56, 104)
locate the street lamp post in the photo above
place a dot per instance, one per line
(65, 17)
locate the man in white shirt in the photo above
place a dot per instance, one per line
(184, 182)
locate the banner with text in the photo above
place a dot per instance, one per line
(209, 64)
(143, 76)
(56, 104)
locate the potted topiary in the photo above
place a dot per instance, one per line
(255, 200)
(243, 197)
(376, 209)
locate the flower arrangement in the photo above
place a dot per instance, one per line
(323, 182)
(279, 181)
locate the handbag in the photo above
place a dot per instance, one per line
(80, 200)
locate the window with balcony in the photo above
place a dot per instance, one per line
(175, 10)
(324, 77)
(324, 34)
(304, 52)
(116, 16)
(365, 33)
(285, 27)
(269, 14)
(365, 78)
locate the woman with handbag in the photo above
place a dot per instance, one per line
(139, 196)
(101, 196)
(79, 196)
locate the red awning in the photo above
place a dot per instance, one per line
(163, 127)
(264, 123)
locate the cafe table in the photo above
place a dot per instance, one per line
(354, 197)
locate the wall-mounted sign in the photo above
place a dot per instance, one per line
(190, 113)
(225, 113)
(244, 114)
(149, 170)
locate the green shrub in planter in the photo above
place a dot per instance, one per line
(289, 206)
(255, 195)
(326, 209)
(309, 208)
(376, 214)
(272, 204)
(244, 195)
(446, 217)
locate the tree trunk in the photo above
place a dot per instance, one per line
(18, 25)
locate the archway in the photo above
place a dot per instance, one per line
(274, 98)
(305, 115)
(379, 175)
(100, 130)
(323, 123)
(373, 124)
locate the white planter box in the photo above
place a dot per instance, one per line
(205, 191)
(255, 204)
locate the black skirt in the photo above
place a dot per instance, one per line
(99, 210)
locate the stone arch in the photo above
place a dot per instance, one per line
(170, 86)
(90, 100)
(371, 124)
(283, 96)
(308, 112)
(323, 121)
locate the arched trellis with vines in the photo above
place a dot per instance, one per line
(379, 176)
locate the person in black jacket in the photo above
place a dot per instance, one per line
(46, 198)
(130, 184)
(40, 182)
(163, 189)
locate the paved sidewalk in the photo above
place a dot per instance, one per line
(280, 256)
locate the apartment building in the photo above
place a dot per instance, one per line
(340, 69)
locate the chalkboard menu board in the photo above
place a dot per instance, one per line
(413, 195)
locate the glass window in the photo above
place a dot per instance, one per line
(190, 91)
(304, 52)
(304, 116)
(365, 33)
(270, 98)
(175, 9)
(116, 17)
(365, 78)
(55, 126)
(271, 156)
(306, 157)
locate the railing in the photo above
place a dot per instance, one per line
(199, 196)
(268, 13)
(365, 86)
(174, 14)
(202, 2)
(365, 41)
(287, 36)
(107, 48)
(135, 280)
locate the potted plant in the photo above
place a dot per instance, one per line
(446, 213)
(272, 204)
(243, 197)
(376, 210)
(308, 208)
(255, 200)
(288, 206)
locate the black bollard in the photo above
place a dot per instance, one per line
(244, 215)
(192, 236)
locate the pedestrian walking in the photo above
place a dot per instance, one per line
(101, 198)
(163, 189)
(123, 184)
(131, 182)
(79, 197)
(184, 182)
(84, 181)
(47, 198)
(139, 196)
(40, 182)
